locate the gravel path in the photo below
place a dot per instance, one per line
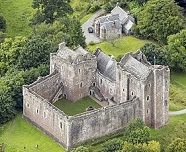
(89, 23)
(174, 113)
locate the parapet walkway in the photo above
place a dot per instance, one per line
(174, 113)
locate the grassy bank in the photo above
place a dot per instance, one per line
(17, 14)
(18, 133)
(120, 46)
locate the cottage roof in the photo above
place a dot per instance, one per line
(106, 64)
(128, 25)
(121, 12)
(135, 67)
(111, 24)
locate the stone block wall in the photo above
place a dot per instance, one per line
(47, 86)
(101, 122)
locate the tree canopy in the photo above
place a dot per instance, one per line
(2, 23)
(50, 10)
(159, 19)
(177, 51)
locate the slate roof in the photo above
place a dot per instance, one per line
(106, 64)
(135, 67)
(128, 25)
(65, 52)
(80, 50)
(121, 12)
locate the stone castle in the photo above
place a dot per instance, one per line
(132, 88)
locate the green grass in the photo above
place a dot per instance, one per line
(73, 108)
(176, 128)
(178, 91)
(18, 133)
(85, 18)
(17, 14)
(122, 46)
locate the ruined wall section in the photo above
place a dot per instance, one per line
(101, 122)
(47, 86)
(45, 116)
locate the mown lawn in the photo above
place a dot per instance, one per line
(122, 45)
(178, 91)
(176, 128)
(18, 133)
(17, 14)
(73, 108)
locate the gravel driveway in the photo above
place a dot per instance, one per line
(89, 23)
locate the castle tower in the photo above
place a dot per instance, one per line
(77, 71)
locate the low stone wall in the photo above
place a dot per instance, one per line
(101, 122)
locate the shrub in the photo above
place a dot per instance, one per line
(112, 145)
(94, 8)
(80, 149)
(91, 43)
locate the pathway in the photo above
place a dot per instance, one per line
(89, 23)
(174, 113)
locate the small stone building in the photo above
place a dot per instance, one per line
(114, 25)
(132, 88)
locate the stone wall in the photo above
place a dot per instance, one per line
(47, 86)
(101, 122)
(45, 116)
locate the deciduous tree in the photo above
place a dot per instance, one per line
(49, 10)
(159, 19)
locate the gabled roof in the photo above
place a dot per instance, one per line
(121, 12)
(112, 24)
(135, 67)
(128, 25)
(106, 64)
(80, 50)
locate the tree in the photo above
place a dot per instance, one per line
(177, 51)
(2, 24)
(35, 52)
(136, 132)
(159, 19)
(7, 109)
(50, 10)
(177, 145)
(112, 145)
(151, 146)
(155, 54)
(76, 36)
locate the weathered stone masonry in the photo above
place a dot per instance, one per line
(132, 87)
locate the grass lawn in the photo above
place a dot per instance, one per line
(17, 14)
(73, 108)
(178, 91)
(122, 45)
(18, 133)
(176, 128)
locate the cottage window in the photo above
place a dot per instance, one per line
(61, 125)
